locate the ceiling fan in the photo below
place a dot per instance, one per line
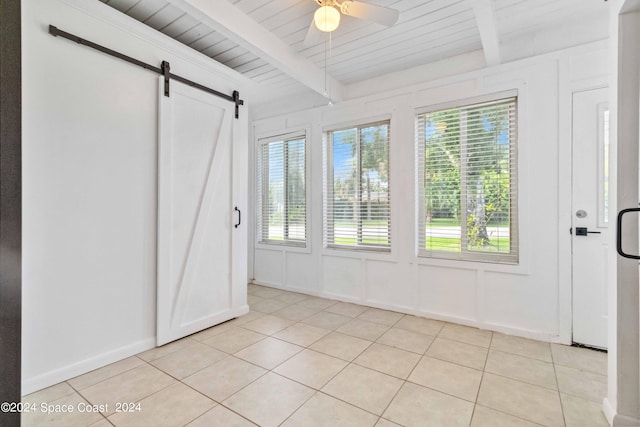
(327, 17)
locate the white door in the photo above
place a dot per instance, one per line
(198, 284)
(591, 217)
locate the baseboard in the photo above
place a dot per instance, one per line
(609, 413)
(540, 336)
(615, 419)
(47, 379)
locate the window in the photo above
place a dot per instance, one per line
(281, 189)
(357, 203)
(467, 182)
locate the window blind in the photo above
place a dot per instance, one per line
(357, 203)
(281, 190)
(467, 182)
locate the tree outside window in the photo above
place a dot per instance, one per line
(468, 181)
(282, 191)
(357, 203)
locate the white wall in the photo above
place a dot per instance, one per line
(89, 186)
(532, 298)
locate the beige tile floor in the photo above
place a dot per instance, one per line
(297, 360)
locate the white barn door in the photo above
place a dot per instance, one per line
(198, 244)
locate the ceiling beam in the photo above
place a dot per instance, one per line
(487, 25)
(231, 22)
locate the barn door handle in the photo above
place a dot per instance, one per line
(239, 216)
(619, 234)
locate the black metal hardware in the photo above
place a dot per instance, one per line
(583, 231)
(619, 233)
(239, 216)
(235, 98)
(237, 101)
(165, 67)
(54, 31)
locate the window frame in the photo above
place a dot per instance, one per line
(328, 180)
(511, 258)
(260, 195)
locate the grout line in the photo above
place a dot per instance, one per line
(348, 363)
(232, 410)
(511, 415)
(555, 374)
(484, 368)
(107, 378)
(440, 391)
(520, 381)
(349, 403)
(463, 342)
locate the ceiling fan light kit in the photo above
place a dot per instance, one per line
(327, 17)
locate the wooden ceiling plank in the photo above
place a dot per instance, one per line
(267, 75)
(355, 30)
(146, 8)
(272, 10)
(219, 48)
(227, 19)
(438, 29)
(420, 49)
(410, 61)
(196, 33)
(164, 17)
(180, 25)
(260, 70)
(122, 5)
(299, 13)
(422, 19)
(207, 40)
(230, 54)
(250, 65)
(248, 6)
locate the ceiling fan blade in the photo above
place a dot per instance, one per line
(370, 12)
(314, 35)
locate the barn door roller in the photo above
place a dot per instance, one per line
(163, 70)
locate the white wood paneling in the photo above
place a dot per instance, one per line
(300, 271)
(427, 31)
(390, 283)
(448, 291)
(269, 266)
(528, 299)
(342, 276)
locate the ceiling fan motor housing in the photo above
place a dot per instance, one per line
(333, 3)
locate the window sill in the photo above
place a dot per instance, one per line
(284, 246)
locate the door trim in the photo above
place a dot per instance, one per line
(10, 207)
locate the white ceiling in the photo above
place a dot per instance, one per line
(265, 40)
